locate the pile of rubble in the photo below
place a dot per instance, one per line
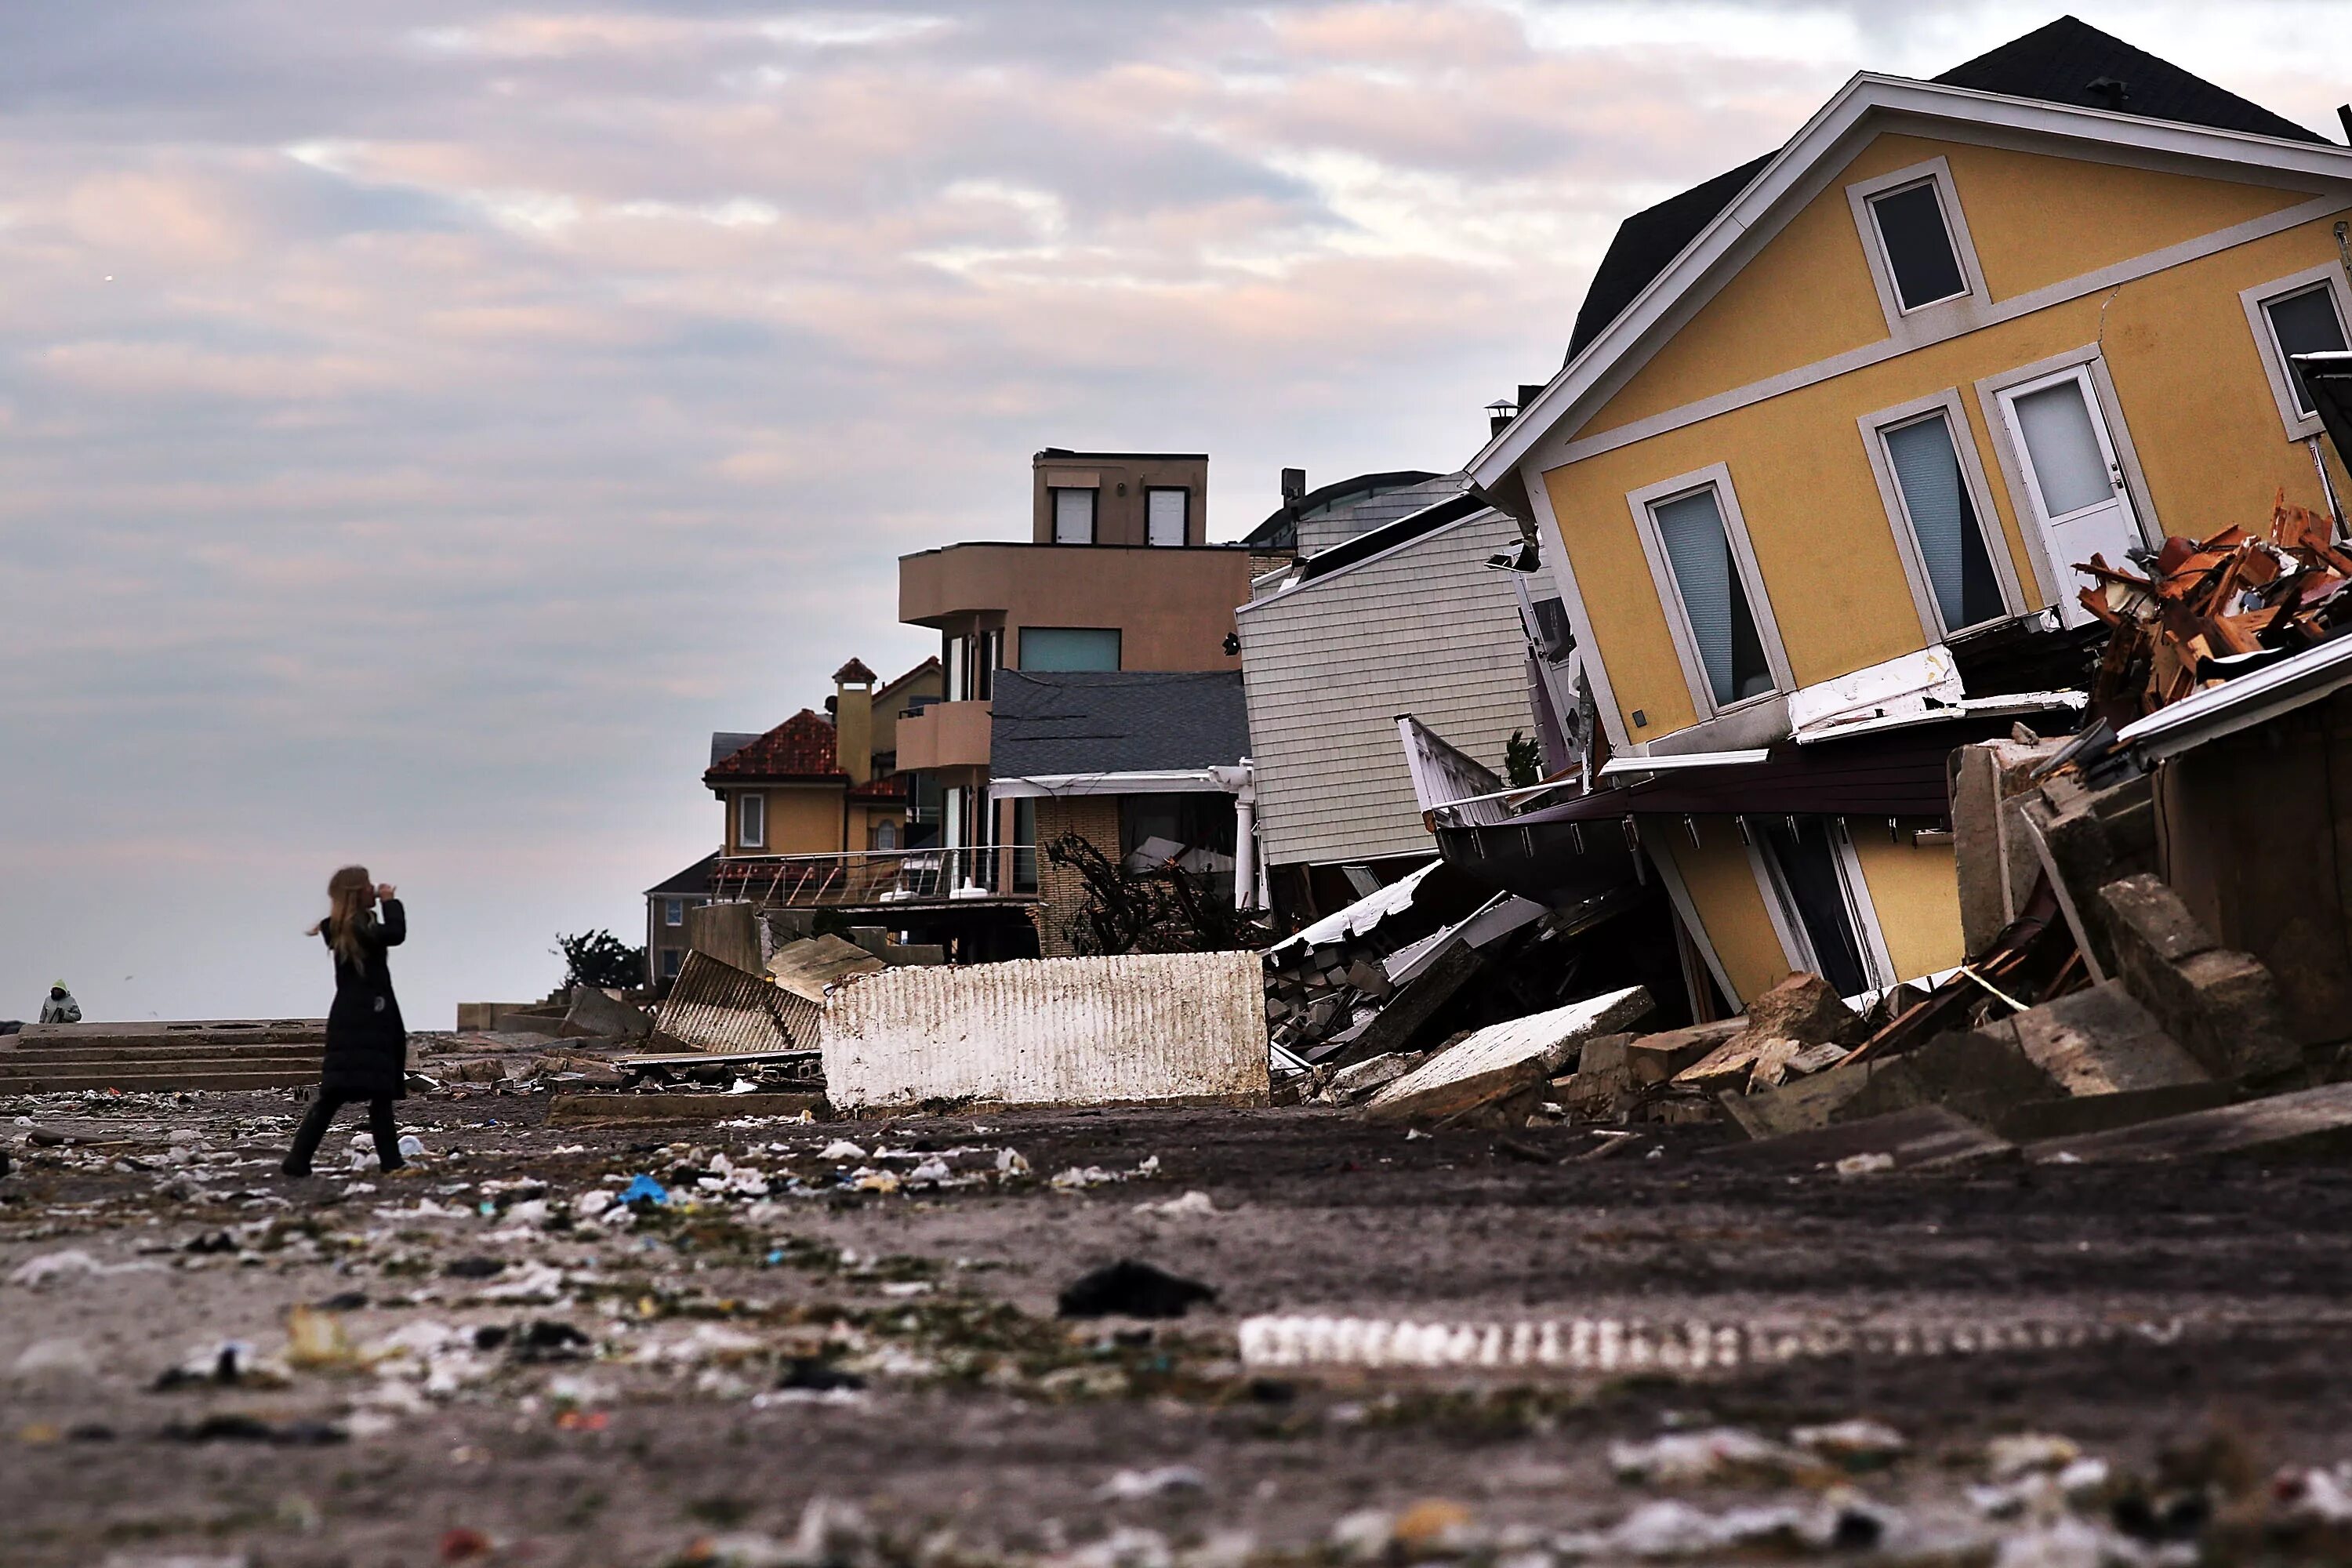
(2215, 609)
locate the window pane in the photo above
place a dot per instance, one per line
(1919, 248)
(1944, 521)
(1069, 648)
(1700, 554)
(2069, 465)
(1074, 517)
(1166, 516)
(2306, 324)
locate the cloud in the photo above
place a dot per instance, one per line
(425, 420)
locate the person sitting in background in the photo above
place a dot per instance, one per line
(59, 1006)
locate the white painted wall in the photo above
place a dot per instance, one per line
(1051, 1031)
(1427, 629)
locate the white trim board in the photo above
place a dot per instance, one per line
(1937, 319)
(1743, 223)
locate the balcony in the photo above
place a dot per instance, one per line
(944, 735)
(881, 880)
(1173, 606)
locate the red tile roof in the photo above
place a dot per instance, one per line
(855, 670)
(801, 747)
(891, 788)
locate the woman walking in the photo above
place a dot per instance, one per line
(367, 1045)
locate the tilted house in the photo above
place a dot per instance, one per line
(1836, 429)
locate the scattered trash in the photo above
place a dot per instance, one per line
(1132, 1486)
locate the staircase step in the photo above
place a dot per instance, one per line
(158, 1055)
(167, 1082)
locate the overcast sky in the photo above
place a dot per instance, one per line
(422, 423)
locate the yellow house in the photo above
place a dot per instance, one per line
(820, 784)
(1837, 429)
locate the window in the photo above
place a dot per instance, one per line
(672, 912)
(1074, 517)
(2066, 454)
(2306, 324)
(971, 663)
(1069, 648)
(751, 821)
(1024, 842)
(1935, 505)
(2303, 314)
(1707, 579)
(1917, 245)
(1167, 513)
(671, 958)
(886, 835)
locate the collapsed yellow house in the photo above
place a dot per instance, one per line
(1835, 429)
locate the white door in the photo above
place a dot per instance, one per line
(2072, 478)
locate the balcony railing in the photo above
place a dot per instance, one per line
(879, 876)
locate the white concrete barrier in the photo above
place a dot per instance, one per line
(1050, 1031)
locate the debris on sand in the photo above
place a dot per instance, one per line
(1128, 1288)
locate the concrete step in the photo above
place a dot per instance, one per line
(160, 1054)
(170, 1082)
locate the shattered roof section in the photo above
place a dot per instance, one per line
(716, 1008)
(1046, 724)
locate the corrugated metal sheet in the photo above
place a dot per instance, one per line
(718, 1008)
(1428, 630)
(1052, 1031)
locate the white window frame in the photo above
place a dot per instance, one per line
(1873, 428)
(749, 805)
(1936, 318)
(2300, 426)
(1788, 925)
(673, 912)
(1094, 512)
(1184, 521)
(1642, 503)
(2048, 574)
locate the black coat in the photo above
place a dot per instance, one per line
(367, 1045)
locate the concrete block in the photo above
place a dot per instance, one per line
(1504, 1059)
(1604, 1054)
(593, 1014)
(873, 939)
(2222, 1006)
(1654, 1058)
(1805, 1008)
(2100, 1041)
(728, 933)
(806, 968)
(1975, 1073)
(1799, 1105)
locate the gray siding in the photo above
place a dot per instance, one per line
(1336, 524)
(1427, 629)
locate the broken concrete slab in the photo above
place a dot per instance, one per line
(1415, 1003)
(1922, 1137)
(2075, 1116)
(1505, 1060)
(715, 1007)
(2085, 838)
(1974, 1073)
(1053, 1031)
(1734, 1064)
(806, 968)
(2222, 1007)
(619, 1109)
(728, 932)
(1805, 1008)
(1799, 1106)
(1351, 1084)
(1654, 1058)
(2306, 1123)
(148, 1033)
(2100, 1041)
(595, 1016)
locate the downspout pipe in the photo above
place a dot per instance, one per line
(1242, 782)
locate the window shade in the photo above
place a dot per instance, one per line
(1944, 522)
(1715, 602)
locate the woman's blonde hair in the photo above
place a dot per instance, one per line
(347, 895)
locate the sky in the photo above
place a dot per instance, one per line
(422, 423)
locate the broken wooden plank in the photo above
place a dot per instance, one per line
(2306, 1123)
(1922, 1138)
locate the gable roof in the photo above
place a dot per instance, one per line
(930, 666)
(694, 881)
(1757, 209)
(801, 748)
(2053, 64)
(1047, 724)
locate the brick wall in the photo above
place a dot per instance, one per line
(1093, 817)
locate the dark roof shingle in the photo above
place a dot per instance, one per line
(1115, 721)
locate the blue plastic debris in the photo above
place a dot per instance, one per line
(644, 1187)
